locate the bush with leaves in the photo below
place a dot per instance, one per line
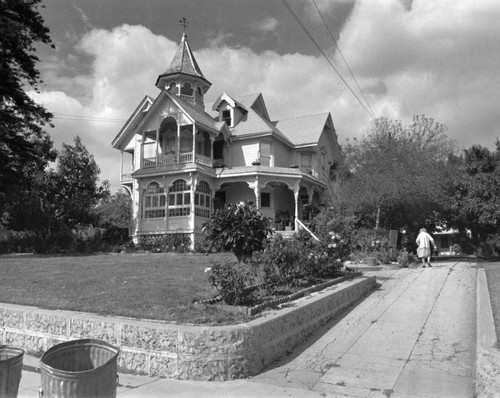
(282, 262)
(240, 228)
(232, 280)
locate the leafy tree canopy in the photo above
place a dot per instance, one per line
(114, 211)
(475, 192)
(397, 172)
(78, 192)
(22, 138)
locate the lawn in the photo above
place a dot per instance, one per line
(150, 286)
(493, 278)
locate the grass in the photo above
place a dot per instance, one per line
(149, 286)
(493, 278)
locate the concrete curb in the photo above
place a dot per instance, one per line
(487, 356)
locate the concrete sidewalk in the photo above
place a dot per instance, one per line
(415, 336)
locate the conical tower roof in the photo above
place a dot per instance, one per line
(183, 62)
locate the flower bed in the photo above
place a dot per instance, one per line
(274, 302)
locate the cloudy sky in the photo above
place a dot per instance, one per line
(438, 58)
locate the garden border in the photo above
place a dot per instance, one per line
(188, 352)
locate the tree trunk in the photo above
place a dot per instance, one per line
(377, 219)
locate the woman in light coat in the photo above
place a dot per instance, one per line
(425, 243)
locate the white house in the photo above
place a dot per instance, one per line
(180, 161)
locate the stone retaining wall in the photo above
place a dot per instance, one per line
(182, 351)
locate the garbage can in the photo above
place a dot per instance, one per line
(11, 366)
(79, 368)
(371, 261)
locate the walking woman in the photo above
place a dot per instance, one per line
(425, 242)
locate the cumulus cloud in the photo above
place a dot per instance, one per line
(431, 57)
(419, 57)
(267, 25)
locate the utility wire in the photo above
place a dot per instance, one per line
(342, 55)
(371, 114)
(63, 116)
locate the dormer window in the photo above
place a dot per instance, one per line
(226, 117)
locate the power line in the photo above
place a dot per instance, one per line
(342, 55)
(326, 57)
(64, 116)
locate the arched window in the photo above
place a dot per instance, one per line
(172, 88)
(187, 89)
(179, 199)
(202, 200)
(199, 93)
(154, 201)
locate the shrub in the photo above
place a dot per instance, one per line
(240, 228)
(171, 243)
(231, 280)
(282, 262)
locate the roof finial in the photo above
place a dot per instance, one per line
(184, 22)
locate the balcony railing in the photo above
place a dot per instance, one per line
(171, 159)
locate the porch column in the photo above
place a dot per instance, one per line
(141, 160)
(192, 222)
(212, 140)
(255, 186)
(157, 144)
(121, 166)
(178, 143)
(194, 142)
(296, 191)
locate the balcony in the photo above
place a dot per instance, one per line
(171, 159)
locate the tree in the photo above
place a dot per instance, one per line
(23, 142)
(77, 186)
(54, 203)
(240, 228)
(396, 171)
(114, 214)
(475, 193)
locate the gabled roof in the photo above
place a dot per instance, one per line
(255, 123)
(183, 62)
(197, 115)
(134, 119)
(148, 106)
(305, 130)
(230, 100)
(256, 102)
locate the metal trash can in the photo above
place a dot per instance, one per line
(371, 261)
(11, 366)
(79, 368)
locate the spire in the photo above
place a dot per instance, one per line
(183, 62)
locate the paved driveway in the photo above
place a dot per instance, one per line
(413, 337)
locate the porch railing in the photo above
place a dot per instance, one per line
(300, 225)
(205, 160)
(171, 159)
(186, 157)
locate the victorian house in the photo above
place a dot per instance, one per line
(182, 158)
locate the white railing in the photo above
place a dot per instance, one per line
(205, 160)
(149, 162)
(171, 159)
(299, 224)
(166, 160)
(186, 157)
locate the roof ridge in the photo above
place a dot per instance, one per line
(302, 117)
